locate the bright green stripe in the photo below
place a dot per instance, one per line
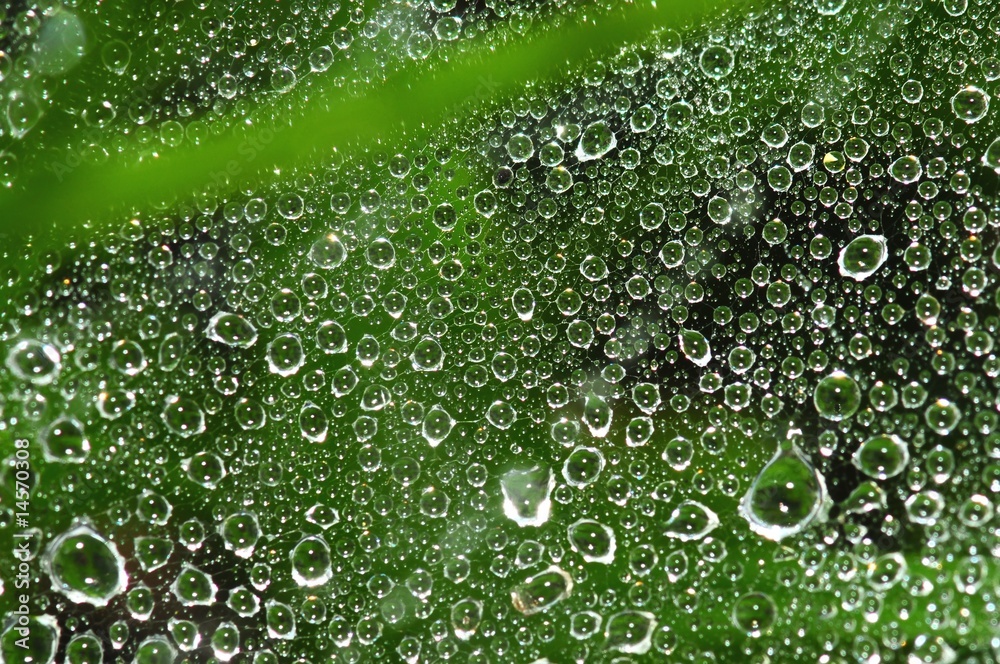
(414, 99)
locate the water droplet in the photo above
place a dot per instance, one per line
(527, 495)
(64, 441)
(595, 142)
(882, 456)
(183, 416)
(691, 521)
(437, 425)
(597, 416)
(583, 466)
(630, 632)
(184, 633)
(466, 614)
(115, 56)
(501, 415)
(719, 210)
(906, 170)
(152, 552)
(193, 587)
(542, 591)
(434, 503)
(754, 614)
(240, 533)
(695, 347)
(34, 361)
(786, 496)
(232, 330)
(427, 355)
(285, 355)
(863, 256)
(328, 252)
(593, 268)
(523, 302)
(717, 61)
(520, 148)
(313, 423)
(331, 337)
(991, 157)
(226, 641)
(381, 254)
(311, 562)
(280, 620)
(970, 104)
(84, 649)
(837, 396)
(592, 540)
(85, 567)
(942, 416)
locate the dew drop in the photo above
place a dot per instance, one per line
(863, 256)
(85, 567)
(527, 495)
(786, 496)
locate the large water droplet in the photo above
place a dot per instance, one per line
(240, 533)
(34, 361)
(970, 104)
(328, 252)
(862, 257)
(232, 330)
(991, 157)
(594, 541)
(437, 425)
(787, 496)
(597, 416)
(466, 614)
(717, 61)
(526, 495)
(630, 632)
(64, 441)
(85, 567)
(427, 355)
(84, 649)
(837, 396)
(691, 521)
(882, 456)
(193, 587)
(183, 416)
(542, 591)
(311, 562)
(695, 347)
(280, 620)
(285, 355)
(754, 614)
(583, 466)
(906, 170)
(595, 142)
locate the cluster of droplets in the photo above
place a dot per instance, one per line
(191, 73)
(676, 345)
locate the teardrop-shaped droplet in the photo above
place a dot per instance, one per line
(597, 416)
(695, 347)
(787, 496)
